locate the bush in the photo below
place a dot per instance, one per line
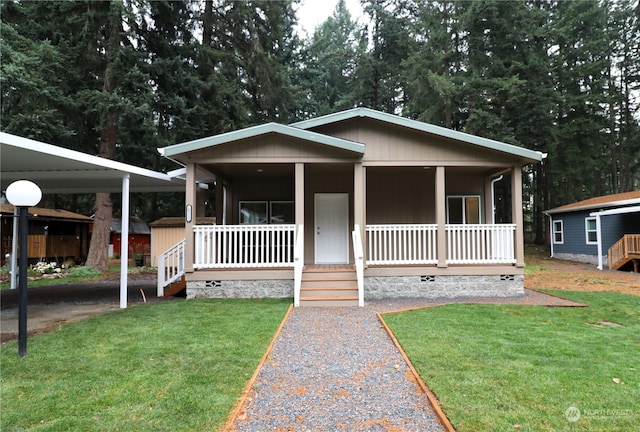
(84, 272)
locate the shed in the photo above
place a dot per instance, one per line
(167, 232)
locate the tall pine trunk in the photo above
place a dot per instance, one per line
(98, 256)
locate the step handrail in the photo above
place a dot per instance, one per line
(358, 255)
(298, 265)
(620, 251)
(170, 266)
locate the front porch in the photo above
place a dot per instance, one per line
(403, 260)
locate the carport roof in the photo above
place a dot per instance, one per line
(58, 170)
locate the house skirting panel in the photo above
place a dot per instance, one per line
(259, 288)
(584, 258)
(443, 286)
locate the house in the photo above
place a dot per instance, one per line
(598, 229)
(350, 206)
(54, 234)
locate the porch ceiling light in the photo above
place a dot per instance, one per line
(259, 170)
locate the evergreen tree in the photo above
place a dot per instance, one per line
(580, 69)
(380, 79)
(332, 58)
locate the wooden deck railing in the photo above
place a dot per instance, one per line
(623, 250)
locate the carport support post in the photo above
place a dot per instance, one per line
(124, 242)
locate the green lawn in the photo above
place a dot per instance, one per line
(174, 366)
(495, 367)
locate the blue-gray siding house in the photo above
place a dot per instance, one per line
(584, 231)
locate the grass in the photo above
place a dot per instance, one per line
(163, 366)
(521, 367)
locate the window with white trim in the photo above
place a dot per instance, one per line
(463, 209)
(591, 230)
(558, 234)
(264, 212)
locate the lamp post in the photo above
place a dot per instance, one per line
(23, 194)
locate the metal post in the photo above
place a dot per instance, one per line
(22, 281)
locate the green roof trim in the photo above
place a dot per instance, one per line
(423, 127)
(255, 131)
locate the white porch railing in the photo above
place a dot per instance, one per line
(243, 246)
(411, 244)
(170, 266)
(480, 244)
(298, 258)
(358, 255)
(401, 244)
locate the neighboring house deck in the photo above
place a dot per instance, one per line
(374, 205)
(598, 230)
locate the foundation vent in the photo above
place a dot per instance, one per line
(213, 284)
(427, 278)
(507, 277)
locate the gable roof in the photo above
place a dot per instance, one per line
(534, 156)
(607, 201)
(255, 131)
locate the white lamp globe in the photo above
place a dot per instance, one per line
(23, 193)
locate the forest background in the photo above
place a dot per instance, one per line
(121, 78)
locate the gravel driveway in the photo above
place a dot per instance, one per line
(336, 369)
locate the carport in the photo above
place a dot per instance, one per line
(62, 171)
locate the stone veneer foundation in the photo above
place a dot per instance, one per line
(264, 288)
(375, 287)
(386, 287)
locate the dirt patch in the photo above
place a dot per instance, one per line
(543, 272)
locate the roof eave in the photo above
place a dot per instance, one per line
(593, 206)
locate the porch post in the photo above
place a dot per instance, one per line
(441, 217)
(299, 193)
(219, 201)
(359, 198)
(190, 217)
(516, 213)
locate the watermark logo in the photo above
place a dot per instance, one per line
(572, 414)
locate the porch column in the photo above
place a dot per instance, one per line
(190, 217)
(219, 201)
(299, 193)
(441, 217)
(516, 213)
(359, 197)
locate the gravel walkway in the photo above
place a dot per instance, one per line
(334, 369)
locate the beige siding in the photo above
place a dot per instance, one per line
(270, 148)
(162, 239)
(400, 195)
(390, 143)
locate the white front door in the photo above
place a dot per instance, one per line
(332, 228)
